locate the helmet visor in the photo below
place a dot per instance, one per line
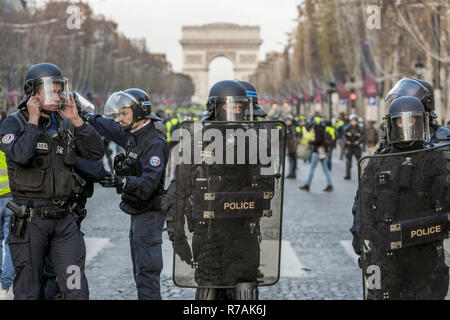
(233, 109)
(83, 103)
(117, 101)
(407, 127)
(407, 87)
(52, 91)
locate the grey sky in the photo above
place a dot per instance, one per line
(160, 21)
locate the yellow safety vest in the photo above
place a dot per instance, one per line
(307, 136)
(331, 131)
(169, 125)
(4, 180)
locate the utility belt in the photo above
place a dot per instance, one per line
(413, 232)
(23, 214)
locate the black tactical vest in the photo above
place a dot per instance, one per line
(50, 174)
(132, 167)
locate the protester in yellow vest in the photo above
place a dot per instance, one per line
(6, 265)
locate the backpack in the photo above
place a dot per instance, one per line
(328, 141)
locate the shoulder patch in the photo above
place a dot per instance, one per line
(8, 138)
(155, 161)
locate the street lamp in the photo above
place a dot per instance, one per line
(331, 90)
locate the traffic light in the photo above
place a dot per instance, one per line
(353, 95)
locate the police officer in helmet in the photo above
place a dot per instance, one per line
(139, 178)
(216, 199)
(41, 142)
(422, 90)
(402, 195)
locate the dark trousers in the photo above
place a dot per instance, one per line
(146, 253)
(60, 241)
(292, 163)
(352, 152)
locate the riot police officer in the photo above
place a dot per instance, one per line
(139, 178)
(354, 137)
(41, 142)
(403, 210)
(422, 90)
(225, 205)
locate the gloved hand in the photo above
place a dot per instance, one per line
(112, 181)
(183, 250)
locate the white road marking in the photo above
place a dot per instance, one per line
(291, 266)
(347, 244)
(94, 246)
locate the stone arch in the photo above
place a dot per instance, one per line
(202, 44)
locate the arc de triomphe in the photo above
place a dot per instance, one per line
(201, 44)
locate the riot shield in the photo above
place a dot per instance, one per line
(404, 202)
(230, 178)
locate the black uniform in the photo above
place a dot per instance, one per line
(41, 160)
(354, 137)
(143, 166)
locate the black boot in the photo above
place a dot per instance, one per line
(328, 189)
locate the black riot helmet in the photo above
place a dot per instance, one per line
(253, 95)
(407, 122)
(228, 101)
(415, 88)
(40, 80)
(136, 99)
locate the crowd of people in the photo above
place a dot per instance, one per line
(313, 140)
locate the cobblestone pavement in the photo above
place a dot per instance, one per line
(317, 258)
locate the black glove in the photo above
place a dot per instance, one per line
(84, 115)
(112, 181)
(183, 249)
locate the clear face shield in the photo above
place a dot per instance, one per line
(407, 87)
(52, 91)
(233, 109)
(407, 127)
(117, 101)
(83, 103)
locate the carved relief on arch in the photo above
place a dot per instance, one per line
(211, 55)
(194, 59)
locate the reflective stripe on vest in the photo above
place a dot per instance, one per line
(4, 180)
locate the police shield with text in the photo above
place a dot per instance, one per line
(227, 198)
(41, 143)
(139, 178)
(404, 195)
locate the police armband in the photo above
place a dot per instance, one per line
(413, 232)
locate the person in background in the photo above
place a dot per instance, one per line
(372, 137)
